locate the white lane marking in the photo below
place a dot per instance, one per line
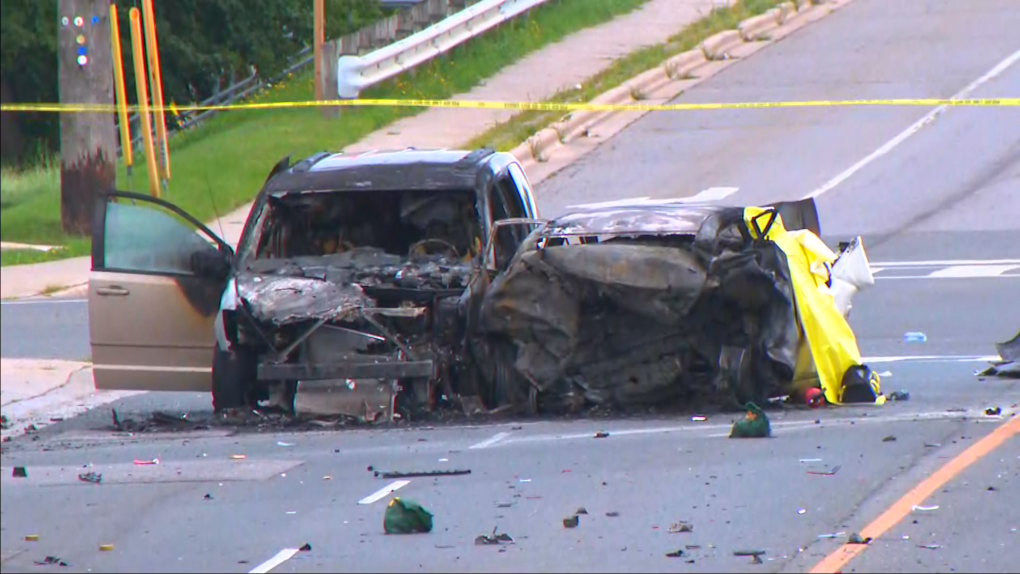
(973, 271)
(932, 359)
(490, 441)
(944, 263)
(42, 301)
(384, 492)
(706, 196)
(700, 429)
(281, 557)
(902, 137)
(933, 276)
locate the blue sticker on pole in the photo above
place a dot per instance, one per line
(82, 50)
(95, 20)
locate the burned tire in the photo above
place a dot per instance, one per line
(233, 373)
(506, 386)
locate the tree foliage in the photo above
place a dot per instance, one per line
(202, 44)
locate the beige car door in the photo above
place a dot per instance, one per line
(154, 291)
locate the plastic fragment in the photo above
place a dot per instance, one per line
(91, 477)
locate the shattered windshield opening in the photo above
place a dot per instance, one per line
(407, 224)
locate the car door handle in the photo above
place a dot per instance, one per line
(113, 291)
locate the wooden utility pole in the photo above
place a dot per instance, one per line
(319, 39)
(88, 141)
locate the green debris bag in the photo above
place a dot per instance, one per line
(406, 517)
(754, 425)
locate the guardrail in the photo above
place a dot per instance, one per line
(356, 73)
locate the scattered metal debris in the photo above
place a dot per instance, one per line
(930, 546)
(889, 438)
(612, 514)
(152, 462)
(91, 477)
(51, 561)
(830, 472)
(413, 474)
(932, 445)
(581, 510)
(306, 548)
(681, 527)
(828, 536)
(917, 508)
(676, 554)
(899, 396)
(571, 521)
(915, 337)
(20, 472)
(494, 539)
(602, 434)
(207, 497)
(993, 412)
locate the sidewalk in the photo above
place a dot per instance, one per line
(535, 78)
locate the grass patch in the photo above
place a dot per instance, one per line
(508, 135)
(222, 163)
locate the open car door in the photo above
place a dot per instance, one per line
(157, 278)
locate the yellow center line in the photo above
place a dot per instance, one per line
(903, 507)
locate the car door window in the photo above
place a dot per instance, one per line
(146, 237)
(520, 180)
(506, 203)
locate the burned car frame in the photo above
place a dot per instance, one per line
(350, 269)
(652, 303)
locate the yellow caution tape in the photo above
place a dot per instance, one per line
(523, 106)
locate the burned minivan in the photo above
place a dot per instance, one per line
(353, 272)
(655, 303)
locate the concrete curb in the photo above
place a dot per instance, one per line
(783, 19)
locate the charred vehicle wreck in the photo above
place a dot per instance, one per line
(402, 281)
(663, 302)
(365, 270)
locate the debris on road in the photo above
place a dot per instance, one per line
(1009, 365)
(828, 536)
(414, 474)
(929, 546)
(830, 472)
(4, 423)
(899, 396)
(581, 510)
(932, 445)
(285, 444)
(801, 511)
(152, 462)
(207, 497)
(602, 434)
(612, 514)
(915, 337)
(238, 457)
(681, 527)
(571, 521)
(699, 419)
(406, 517)
(306, 548)
(494, 539)
(32, 538)
(754, 425)
(889, 438)
(106, 547)
(50, 561)
(855, 538)
(91, 477)
(676, 554)
(20, 472)
(993, 412)
(917, 508)
(754, 554)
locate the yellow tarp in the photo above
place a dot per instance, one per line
(830, 341)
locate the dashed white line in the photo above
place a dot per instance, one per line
(384, 492)
(944, 263)
(490, 441)
(281, 557)
(932, 359)
(973, 271)
(916, 127)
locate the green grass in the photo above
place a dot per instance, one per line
(510, 134)
(222, 163)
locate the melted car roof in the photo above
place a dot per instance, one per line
(646, 218)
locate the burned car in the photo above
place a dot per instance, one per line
(666, 302)
(351, 272)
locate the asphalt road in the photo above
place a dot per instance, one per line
(940, 202)
(45, 329)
